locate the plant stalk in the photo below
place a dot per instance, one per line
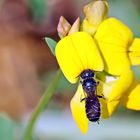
(41, 105)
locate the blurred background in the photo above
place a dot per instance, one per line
(27, 66)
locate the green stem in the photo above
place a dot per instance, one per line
(41, 105)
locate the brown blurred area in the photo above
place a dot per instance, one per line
(24, 56)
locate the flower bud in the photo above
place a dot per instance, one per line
(95, 12)
(75, 27)
(63, 27)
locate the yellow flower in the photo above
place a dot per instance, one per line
(120, 52)
(112, 50)
(107, 47)
(76, 53)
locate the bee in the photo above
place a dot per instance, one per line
(92, 104)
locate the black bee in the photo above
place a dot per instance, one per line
(92, 104)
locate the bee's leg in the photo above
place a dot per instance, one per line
(101, 96)
(97, 83)
(78, 76)
(81, 82)
(83, 99)
(98, 122)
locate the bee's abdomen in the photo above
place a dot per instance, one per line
(93, 109)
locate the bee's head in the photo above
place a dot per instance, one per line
(87, 74)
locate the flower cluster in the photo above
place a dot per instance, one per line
(108, 48)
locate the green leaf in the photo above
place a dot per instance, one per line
(51, 43)
(136, 70)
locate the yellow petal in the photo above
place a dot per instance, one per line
(121, 86)
(134, 52)
(114, 38)
(95, 12)
(114, 91)
(78, 52)
(104, 109)
(88, 27)
(107, 108)
(132, 98)
(78, 110)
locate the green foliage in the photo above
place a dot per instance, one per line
(38, 9)
(8, 128)
(136, 70)
(51, 43)
(63, 84)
